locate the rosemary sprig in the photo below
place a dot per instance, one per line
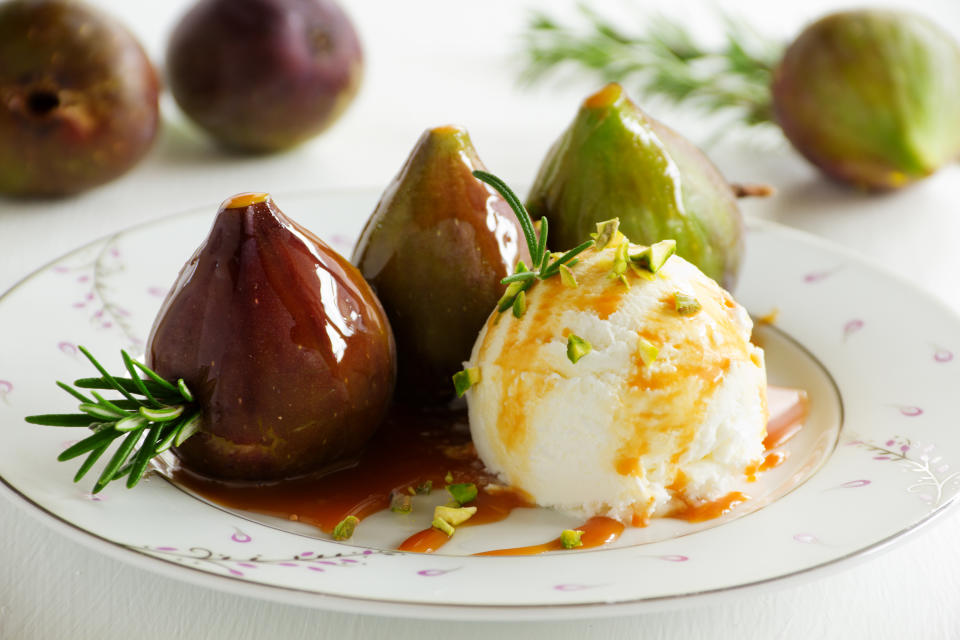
(540, 256)
(164, 414)
(664, 60)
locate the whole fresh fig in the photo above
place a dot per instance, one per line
(435, 250)
(264, 75)
(616, 161)
(871, 97)
(287, 350)
(78, 98)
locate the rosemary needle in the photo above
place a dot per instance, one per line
(164, 414)
(543, 268)
(663, 59)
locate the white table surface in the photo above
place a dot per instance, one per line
(431, 62)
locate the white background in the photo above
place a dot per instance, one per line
(431, 62)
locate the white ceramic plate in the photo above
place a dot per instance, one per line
(875, 460)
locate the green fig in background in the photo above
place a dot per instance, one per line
(435, 250)
(871, 97)
(615, 161)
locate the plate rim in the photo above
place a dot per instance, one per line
(285, 594)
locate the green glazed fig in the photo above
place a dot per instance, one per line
(78, 98)
(871, 97)
(264, 75)
(281, 341)
(615, 161)
(435, 250)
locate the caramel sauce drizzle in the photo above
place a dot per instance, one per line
(417, 447)
(597, 532)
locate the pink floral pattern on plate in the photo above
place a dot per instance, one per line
(97, 297)
(787, 537)
(933, 472)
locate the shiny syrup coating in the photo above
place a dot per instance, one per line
(435, 250)
(283, 343)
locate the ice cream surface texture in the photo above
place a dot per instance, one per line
(666, 410)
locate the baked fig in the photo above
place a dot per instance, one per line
(78, 98)
(616, 161)
(435, 250)
(286, 349)
(871, 97)
(264, 75)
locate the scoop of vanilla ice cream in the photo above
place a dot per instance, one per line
(611, 434)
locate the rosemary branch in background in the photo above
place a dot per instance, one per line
(164, 415)
(662, 59)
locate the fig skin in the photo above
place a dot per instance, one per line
(435, 249)
(78, 98)
(616, 161)
(871, 97)
(264, 75)
(282, 342)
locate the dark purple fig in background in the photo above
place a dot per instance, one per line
(78, 98)
(282, 341)
(435, 250)
(872, 97)
(264, 75)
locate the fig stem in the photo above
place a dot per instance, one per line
(751, 190)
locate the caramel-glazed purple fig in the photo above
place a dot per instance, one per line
(282, 341)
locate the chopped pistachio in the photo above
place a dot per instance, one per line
(520, 305)
(620, 261)
(411, 491)
(463, 492)
(654, 256)
(648, 351)
(449, 477)
(641, 271)
(571, 538)
(425, 488)
(443, 525)
(345, 528)
(463, 380)
(685, 304)
(660, 252)
(577, 347)
(566, 277)
(400, 502)
(606, 230)
(641, 258)
(506, 300)
(453, 515)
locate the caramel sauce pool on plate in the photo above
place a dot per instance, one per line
(414, 448)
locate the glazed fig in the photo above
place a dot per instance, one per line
(283, 343)
(871, 97)
(615, 161)
(435, 250)
(78, 98)
(264, 75)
